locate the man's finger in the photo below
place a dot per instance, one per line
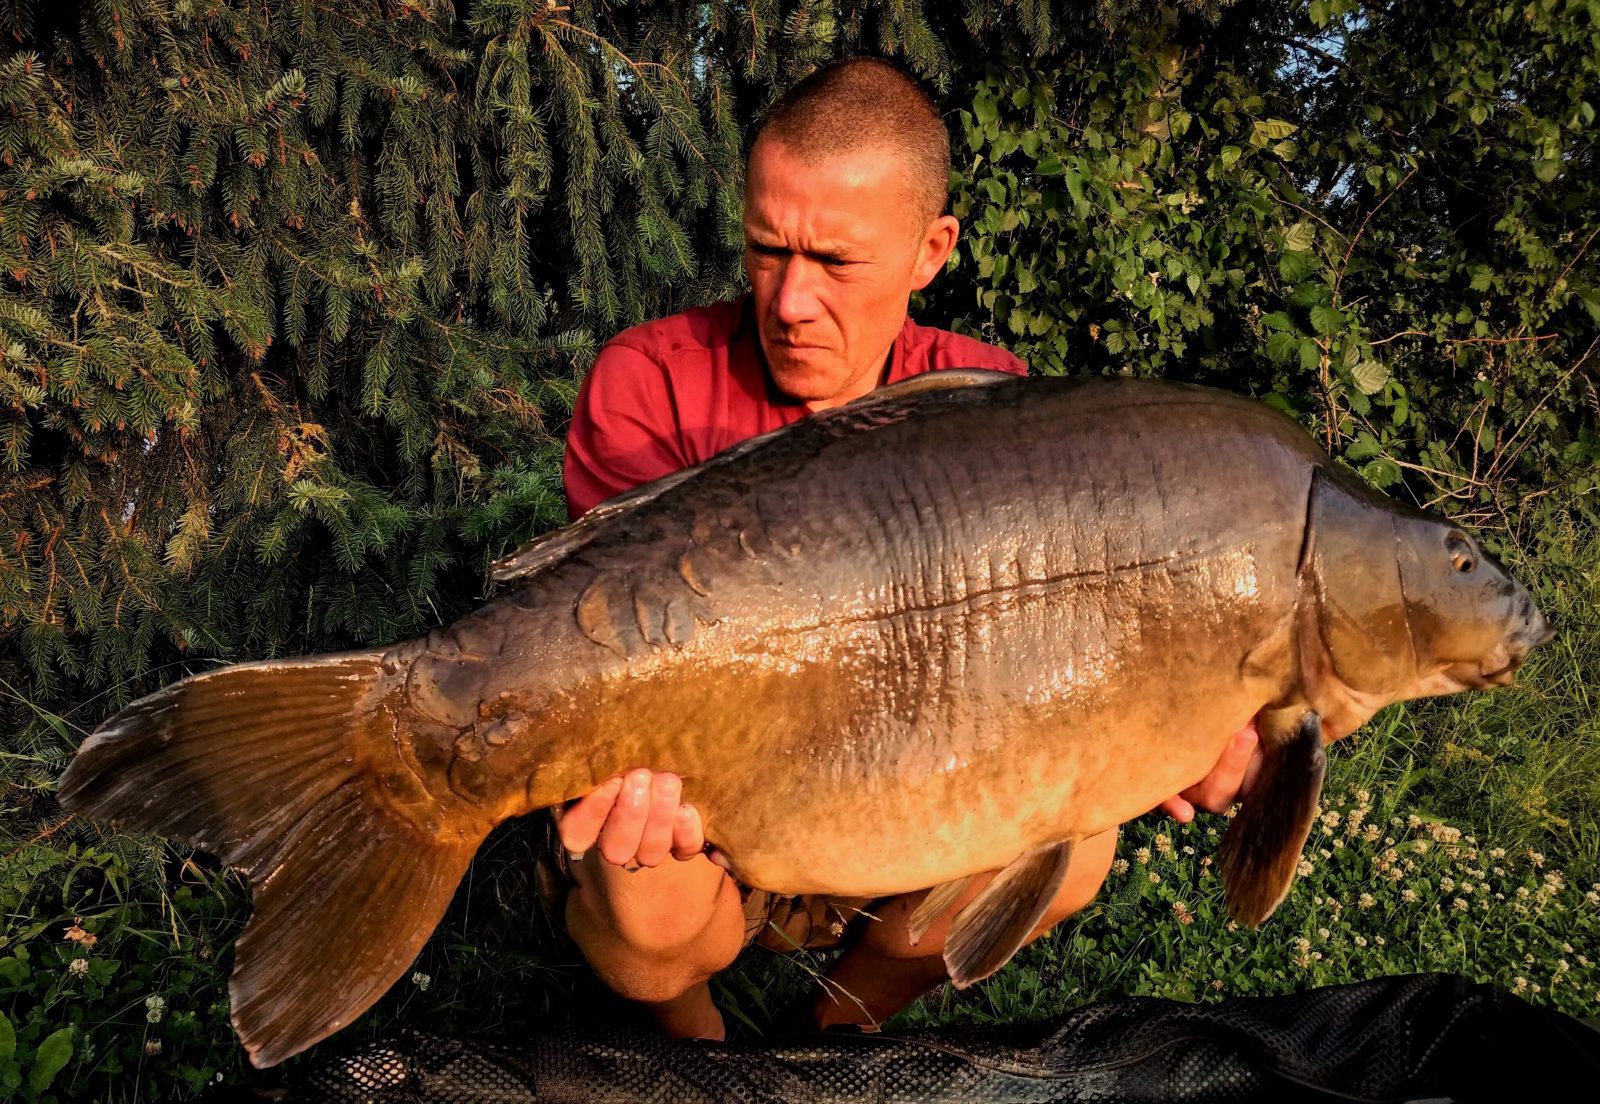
(656, 841)
(619, 838)
(1221, 788)
(579, 824)
(1178, 809)
(688, 833)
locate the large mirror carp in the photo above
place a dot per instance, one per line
(950, 628)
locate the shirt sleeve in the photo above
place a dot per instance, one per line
(623, 431)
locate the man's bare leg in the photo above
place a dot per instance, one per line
(656, 935)
(883, 971)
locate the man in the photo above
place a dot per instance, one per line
(844, 218)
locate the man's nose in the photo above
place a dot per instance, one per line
(795, 301)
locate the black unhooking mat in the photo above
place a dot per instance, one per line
(1417, 1038)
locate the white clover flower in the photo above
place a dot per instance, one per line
(421, 980)
(1361, 941)
(78, 966)
(1459, 904)
(1366, 901)
(1408, 895)
(1120, 866)
(1142, 856)
(1155, 879)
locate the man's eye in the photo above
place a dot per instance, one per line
(835, 262)
(767, 250)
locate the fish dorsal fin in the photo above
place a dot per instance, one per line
(942, 379)
(986, 933)
(549, 547)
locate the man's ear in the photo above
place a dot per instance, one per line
(938, 240)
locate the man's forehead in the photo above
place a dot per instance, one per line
(839, 200)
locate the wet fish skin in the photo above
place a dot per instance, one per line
(888, 647)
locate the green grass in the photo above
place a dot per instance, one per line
(1497, 791)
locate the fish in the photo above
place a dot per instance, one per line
(953, 627)
(1433, 1037)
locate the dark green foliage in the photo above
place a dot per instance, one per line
(294, 298)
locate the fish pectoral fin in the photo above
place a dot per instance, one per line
(1261, 849)
(999, 920)
(940, 900)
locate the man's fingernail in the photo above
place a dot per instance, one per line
(576, 856)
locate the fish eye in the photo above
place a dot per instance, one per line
(1461, 557)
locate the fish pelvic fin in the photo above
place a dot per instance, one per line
(1261, 849)
(270, 766)
(991, 929)
(940, 900)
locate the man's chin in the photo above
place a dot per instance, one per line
(808, 378)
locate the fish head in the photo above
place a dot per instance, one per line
(1362, 633)
(1472, 623)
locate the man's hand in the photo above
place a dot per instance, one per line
(637, 819)
(1228, 781)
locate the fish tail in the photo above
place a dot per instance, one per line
(269, 766)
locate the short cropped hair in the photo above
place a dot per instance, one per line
(867, 103)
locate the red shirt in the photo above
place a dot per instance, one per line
(671, 393)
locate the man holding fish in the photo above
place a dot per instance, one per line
(844, 218)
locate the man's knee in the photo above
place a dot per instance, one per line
(652, 934)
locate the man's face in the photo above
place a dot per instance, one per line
(834, 251)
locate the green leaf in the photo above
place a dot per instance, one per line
(1300, 237)
(984, 107)
(1547, 170)
(1326, 320)
(1278, 320)
(1369, 376)
(1074, 186)
(1310, 354)
(1364, 447)
(1270, 130)
(1381, 473)
(8, 1039)
(1230, 156)
(1281, 346)
(53, 1053)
